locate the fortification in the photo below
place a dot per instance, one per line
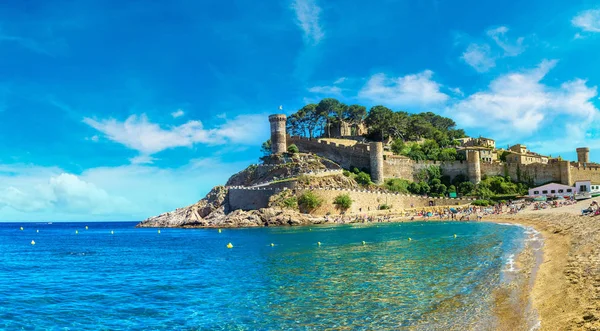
(473, 166)
(278, 134)
(565, 172)
(376, 161)
(583, 155)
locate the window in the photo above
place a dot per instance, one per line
(569, 190)
(544, 192)
(553, 191)
(561, 191)
(536, 192)
(582, 188)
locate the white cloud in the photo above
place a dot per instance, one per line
(479, 57)
(307, 15)
(416, 89)
(516, 104)
(131, 192)
(456, 91)
(177, 113)
(142, 159)
(499, 36)
(93, 138)
(325, 90)
(148, 138)
(588, 20)
(339, 80)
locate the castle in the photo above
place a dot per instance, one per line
(383, 165)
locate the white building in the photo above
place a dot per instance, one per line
(552, 189)
(583, 186)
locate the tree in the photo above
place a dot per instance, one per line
(310, 201)
(327, 108)
(452, 189)
(465, 188)
(379, 121)
(356, 114)
(447, 154)
(265, 148)
(293, 149)
(343, 202)
(363, 178)
(398, 146)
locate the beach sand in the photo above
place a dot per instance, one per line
(566, 288)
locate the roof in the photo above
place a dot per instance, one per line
(550, 184)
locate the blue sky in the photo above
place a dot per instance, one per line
(120, 110)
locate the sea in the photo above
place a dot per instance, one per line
(378, 276)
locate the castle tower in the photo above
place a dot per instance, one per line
(583, 155)
(376, 156)
(473, 166)
(565, 172)
(278, 134)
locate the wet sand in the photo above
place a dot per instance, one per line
(566, 289)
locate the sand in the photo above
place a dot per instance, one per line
(566, 287)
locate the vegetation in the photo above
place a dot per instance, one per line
(346, 173)
(293, 149)
(397, 185)
(385, 206)
(363, 178)
(265, 148)
(310, 201)
(315, 120)
(291, 202)
(343, 201)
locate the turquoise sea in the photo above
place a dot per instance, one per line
(187, 279)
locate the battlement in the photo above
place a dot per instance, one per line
(277, 118)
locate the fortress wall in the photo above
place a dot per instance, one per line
(369, 201)
(249, 199)
(537, 173)
(398, 167)
(585, 173)
(345, 156)
(451, 169)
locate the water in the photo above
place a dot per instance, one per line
(186, 279)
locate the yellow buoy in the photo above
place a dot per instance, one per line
(86, 227)
(33, 242)
(409, 239)
(158, 231)
(21, 228)
(364, 242)
(319, 243)
(219, 230)
(272, 244)
(454, 235)
(229, 245)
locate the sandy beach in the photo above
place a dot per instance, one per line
(566, 287)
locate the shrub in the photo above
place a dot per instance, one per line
(343, 201)
(363, 178)
(385, 206)
(291, 203)
(397, 185)
(346, 173)
(310, 201)
(293, 149)
(355, 170)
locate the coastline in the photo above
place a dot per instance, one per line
(566, 286)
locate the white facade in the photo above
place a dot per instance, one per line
(583, 186)
(552, 189)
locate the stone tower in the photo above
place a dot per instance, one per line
(473, 166)
(583, 155)
(278, 135)
(376, 156)
(565, 172)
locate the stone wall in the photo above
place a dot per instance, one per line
(398, 167)
(580, 172)
(536, 173)
(345, 156)
(249, 198)
(364, 201)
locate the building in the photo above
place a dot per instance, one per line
(520, 155)
(487, 155)
(344, 129)
(477, 142)
(551, 190)
(583, 186)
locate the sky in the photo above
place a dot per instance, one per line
(121, 110)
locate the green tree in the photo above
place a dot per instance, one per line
(379, 121)
(465, 188)
(448, 154)
(293, 149)
(310, 201)
(398, 146)
(356, 114)
(397, 185)
(363, 178)
(343, 202)
(451, 189)
(328, 109)
(265, 148)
